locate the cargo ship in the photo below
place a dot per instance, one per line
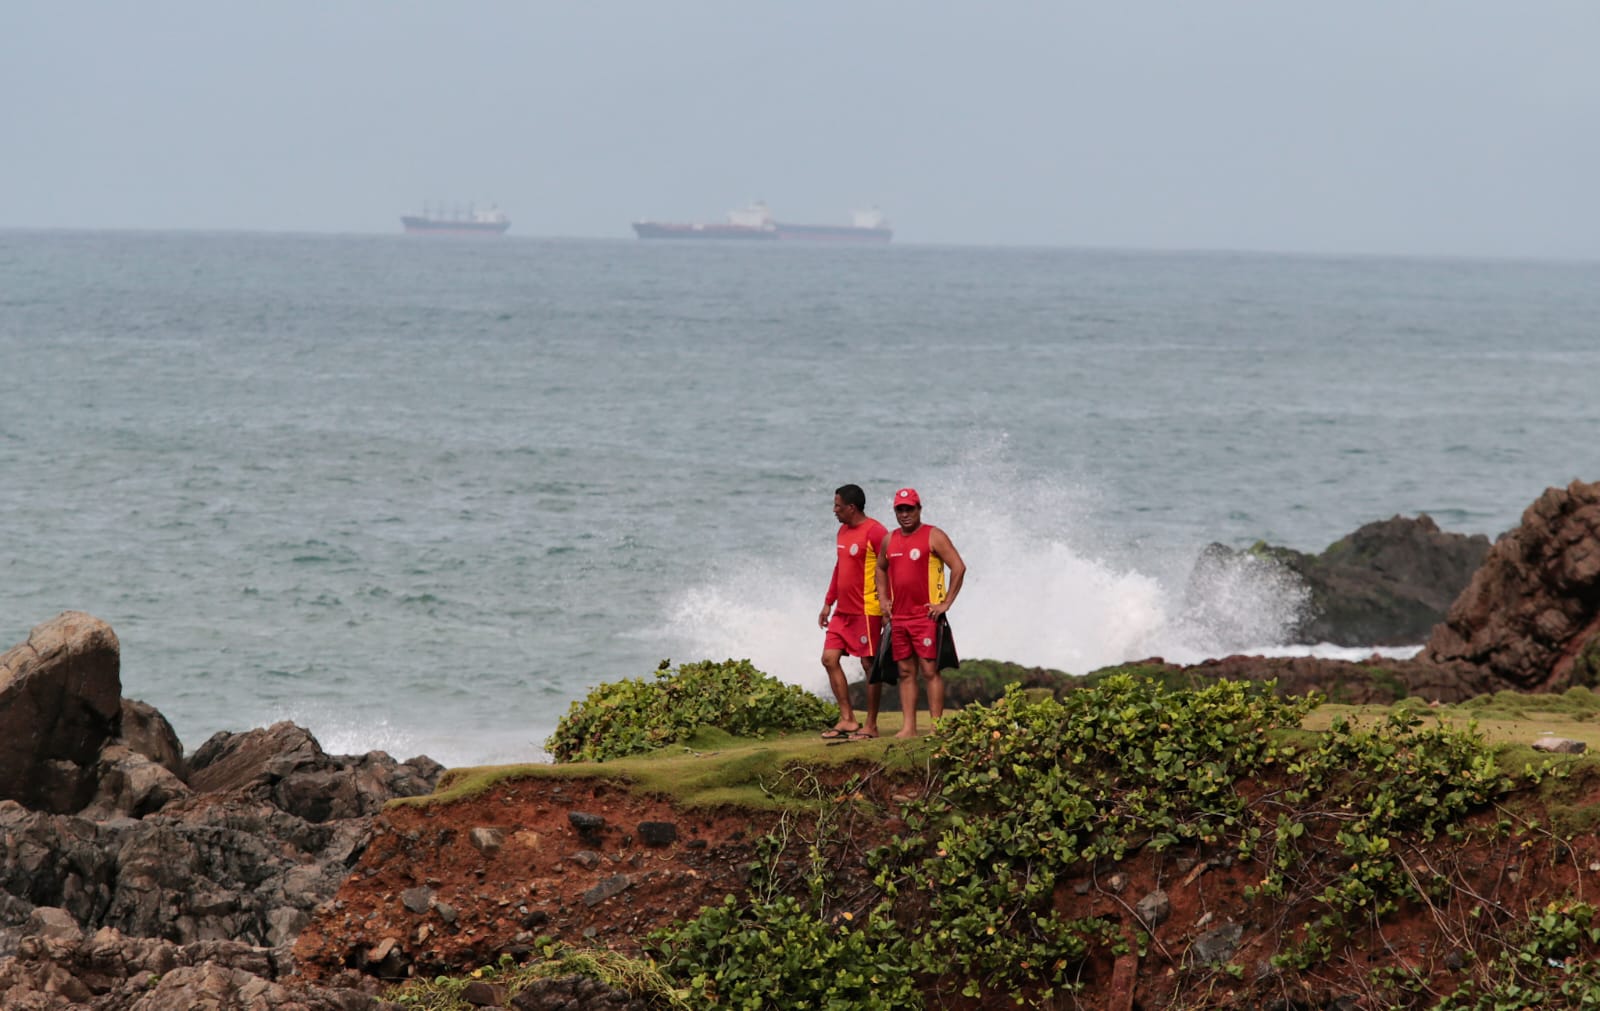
(467, 220)
(755, 222)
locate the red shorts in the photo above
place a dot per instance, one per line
(919, 635)
(853, 634)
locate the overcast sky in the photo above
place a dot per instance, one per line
(1467, 127)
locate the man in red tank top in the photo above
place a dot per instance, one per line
(911, 569)
(857, 622)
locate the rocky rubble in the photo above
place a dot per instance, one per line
(119, 859)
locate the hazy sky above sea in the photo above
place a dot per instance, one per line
(1465, 127)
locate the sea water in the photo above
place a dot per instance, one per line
(421, 495)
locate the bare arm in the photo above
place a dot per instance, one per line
(885, 601)
(940, 544)
(833, 595)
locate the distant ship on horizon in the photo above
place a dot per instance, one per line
(755, 222)
(459, 220)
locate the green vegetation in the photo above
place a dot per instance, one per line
(1578, 704)
(709, 769)
(638, 977)
(1012, 808)
(635, 716)
(1374, 792)
(793, 936)
(1500, 717)
(1035, 793)
(1552, 962)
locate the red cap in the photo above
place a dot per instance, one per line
(907, 496)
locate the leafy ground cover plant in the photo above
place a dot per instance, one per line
(1373, 794)
(1011, 812)
(1031, 790)
(1553, 962)
(790, 942)
(635, 716)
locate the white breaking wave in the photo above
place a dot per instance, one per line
(1041, 589)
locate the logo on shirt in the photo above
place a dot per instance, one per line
(916, 553)
(855, 549)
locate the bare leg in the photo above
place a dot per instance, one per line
(935, 680)
(874, 698)
(841, 689)
(908, 697)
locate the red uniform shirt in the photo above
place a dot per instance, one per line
(855, 573)
(916, 575)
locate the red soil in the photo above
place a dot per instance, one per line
(541, 880)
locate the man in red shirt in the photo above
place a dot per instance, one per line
(856, 623)
(911, 568)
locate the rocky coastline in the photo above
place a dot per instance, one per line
(136, 876)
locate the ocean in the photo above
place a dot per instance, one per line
(420, 495)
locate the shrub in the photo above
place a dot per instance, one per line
(635, 716)
(779, 953)
(1032, 791)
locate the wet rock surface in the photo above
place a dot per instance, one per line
(1387, 584)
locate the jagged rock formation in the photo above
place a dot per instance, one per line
(1530, 618)
(120, 859)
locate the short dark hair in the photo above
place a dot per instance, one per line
(851, 494)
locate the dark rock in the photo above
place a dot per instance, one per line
(481, 994)
(60, 698)
(132, 785)
(1153, 909)
(1559, 745)
(146, 732)
(418, 900)
(612, 886)
(120, 904)
(535, 918)
(111, 971)
(658, 833)
(48, 921)
(487, 840)
(1530, 619)
(1387, 584)
(586, 823)
(574, 993)
(286, 767)
(1215, 947)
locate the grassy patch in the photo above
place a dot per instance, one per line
(1502, 718)
(712, 769)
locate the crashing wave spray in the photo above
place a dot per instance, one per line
(1042, 588)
